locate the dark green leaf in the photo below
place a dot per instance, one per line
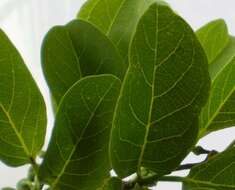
(215, 174)
(76, 50)
(112, 184)
(165, 87)
(115, 18)
(219, 111)
(77, 156)
(22, 108)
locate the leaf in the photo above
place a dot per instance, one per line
(22, 109)
(219, 111)
(80, 137)
(214, 38)
(74, 51)
(112, 184)
(165, 87)
(115, 18)
(215, 174)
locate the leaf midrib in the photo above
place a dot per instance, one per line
(209, 122)
(12, 124)
(83, 131)
(152, 98)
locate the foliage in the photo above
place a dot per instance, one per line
(134, 89)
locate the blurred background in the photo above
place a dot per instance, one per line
(27, 21)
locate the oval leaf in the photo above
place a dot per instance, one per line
(22, 109)
(214, 38)
(215, 174)
(74, 51)
(219, 111)
(115, 18)
(81, 135)
(164, 89)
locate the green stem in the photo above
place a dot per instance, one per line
(153, 179)
(37, 184)
(172, 179)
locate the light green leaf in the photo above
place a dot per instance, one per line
(115, 18)
(74, 51)
(214, 38)
(77, 156)
(219, 111)
(165, 87)
(22, 109)
(215, 174)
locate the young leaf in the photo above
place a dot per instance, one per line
(215, 174)
(77, 156)
(162, 94)
(219, 111)
(22, 109)
(76, 50)
(115, 18)
(214, 38)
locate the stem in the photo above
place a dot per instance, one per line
(200, 150)
(154, 179)
(37, 184)
(187, 166)
(172, 178)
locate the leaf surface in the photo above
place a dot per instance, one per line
(214, 38)
(112, 184)
(219, 111)
(115, 18)
(215, 174)
(74, 51)
(22, 108)
(165, 87)
(77, 156)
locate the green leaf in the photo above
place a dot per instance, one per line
(215, 174)
(77, 156)
(219, 111)
(214, 38)
(74, 51)
(112, 184)
(115, 18)
(165, 87)
(22, 108)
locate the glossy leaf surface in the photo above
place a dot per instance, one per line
(22, 109)
(77, 156)
(167, 83)
(74, 51)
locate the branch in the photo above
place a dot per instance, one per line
(187, 166)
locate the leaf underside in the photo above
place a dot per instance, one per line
(77, 157)
(22, 109)
(165, 87)
(219, 111)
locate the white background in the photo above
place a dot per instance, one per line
(27, 21)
